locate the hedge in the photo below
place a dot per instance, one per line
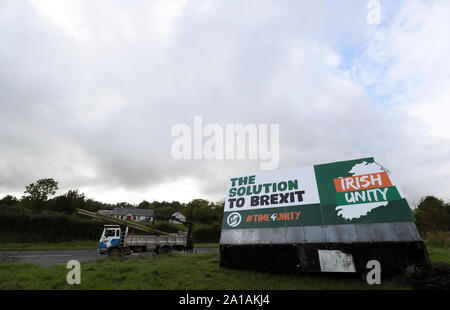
(20, 225)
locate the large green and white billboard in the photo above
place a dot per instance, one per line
(346, 192)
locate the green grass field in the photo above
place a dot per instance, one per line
(179, 271)
(182, 271)
(439, 255)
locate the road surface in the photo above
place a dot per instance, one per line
(51, 257)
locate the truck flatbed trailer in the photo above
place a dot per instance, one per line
(120, 238)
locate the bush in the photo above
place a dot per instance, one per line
(439, 239)
(201, 233)
(206, 233)
(432, 215)
(169, 227)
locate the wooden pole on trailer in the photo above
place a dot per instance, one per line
(114, 220)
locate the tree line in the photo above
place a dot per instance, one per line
(38, 214)
(432, 215)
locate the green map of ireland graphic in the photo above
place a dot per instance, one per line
(346, 192)
(354, 192)
(352, 211)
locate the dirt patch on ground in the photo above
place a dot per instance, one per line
(438, 278)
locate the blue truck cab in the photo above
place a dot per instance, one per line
(110, 238)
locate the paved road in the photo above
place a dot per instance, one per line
(51, 257)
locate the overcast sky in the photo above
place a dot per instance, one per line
(89, 90)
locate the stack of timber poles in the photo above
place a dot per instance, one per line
(114, 220)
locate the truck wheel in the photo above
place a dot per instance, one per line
(115, 252)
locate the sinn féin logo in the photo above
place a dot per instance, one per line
(234, 219)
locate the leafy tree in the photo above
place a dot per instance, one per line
(68, 203)
(432, 215)
(165, 211)
(41, 189)
(200, 210)
(124, 205)
(9, 200)
(94, 206)
(155, 205)
(218, 208)
(178, 206)
(144, 205)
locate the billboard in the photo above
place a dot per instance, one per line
(347, 192)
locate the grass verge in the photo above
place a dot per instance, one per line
(178, 271)
(72, 245)
(183, 271)
(439, 255)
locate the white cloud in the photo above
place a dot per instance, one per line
(89, 90)
(66, 15)
(406, 68)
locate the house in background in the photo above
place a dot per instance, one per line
(178, 216)
(130, 214)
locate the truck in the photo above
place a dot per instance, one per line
(120, 238)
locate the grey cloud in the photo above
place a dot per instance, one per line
(98, 112)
